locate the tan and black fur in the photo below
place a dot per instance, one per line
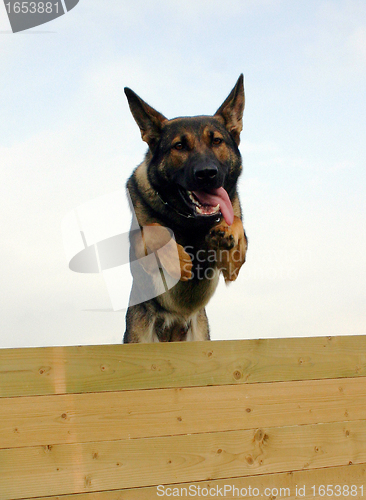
(185, 154)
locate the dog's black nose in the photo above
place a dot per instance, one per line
(206, 175)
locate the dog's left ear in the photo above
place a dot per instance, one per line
(232, 109)
(147, 118)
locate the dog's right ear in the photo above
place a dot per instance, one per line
(231, 110)
(147, 118)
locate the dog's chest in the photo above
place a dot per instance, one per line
(175, 328)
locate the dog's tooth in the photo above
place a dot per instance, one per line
(205, 211)
(193, 199)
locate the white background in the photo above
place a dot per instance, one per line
(67, 137)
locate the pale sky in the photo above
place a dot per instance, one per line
(67, 137)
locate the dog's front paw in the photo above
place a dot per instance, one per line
(172, 256)
(221, 236)
(230, 245)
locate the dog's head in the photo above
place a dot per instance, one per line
(194, 162)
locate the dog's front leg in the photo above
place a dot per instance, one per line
(155, 238)
(230, 244)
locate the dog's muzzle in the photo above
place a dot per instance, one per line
(205, 176)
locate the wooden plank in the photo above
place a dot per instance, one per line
(42, 420)
(59, 370)
(83, 468)
(292, 486)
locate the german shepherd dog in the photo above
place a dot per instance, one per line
(187, 185)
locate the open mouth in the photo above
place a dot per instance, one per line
(202, 208)
(204, 203)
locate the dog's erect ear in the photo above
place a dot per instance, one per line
(147, 118)
(231, 110)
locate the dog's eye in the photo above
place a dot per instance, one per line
(216, 141)
(178, 146)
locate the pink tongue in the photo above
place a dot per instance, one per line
(218, 197)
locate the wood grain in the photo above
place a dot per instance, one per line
(292, 483)
(87, 467)
(60, 370)
(77, 418)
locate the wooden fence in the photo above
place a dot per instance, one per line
(278, 418)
